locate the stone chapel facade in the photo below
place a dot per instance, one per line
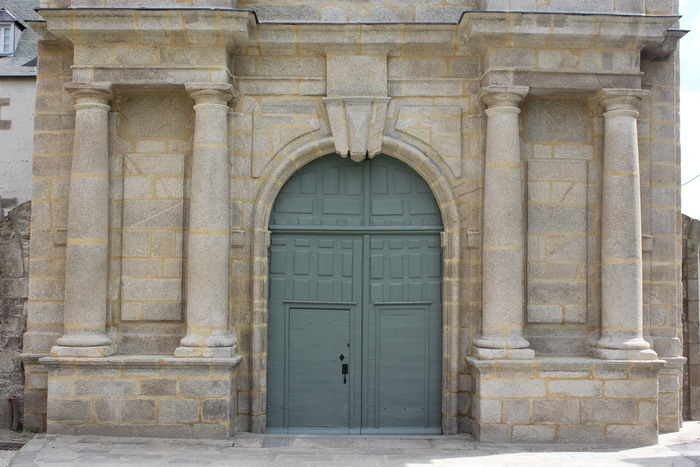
(356, 217)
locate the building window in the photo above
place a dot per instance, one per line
(6, 39)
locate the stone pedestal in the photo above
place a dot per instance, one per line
(503, 292)
(565, 400)
(85, 314)
(621, 235)
(142, 395)
(208, 247)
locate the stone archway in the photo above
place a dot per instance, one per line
(435, 176)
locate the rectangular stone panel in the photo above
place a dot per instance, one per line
(152, 236)
(557, 227)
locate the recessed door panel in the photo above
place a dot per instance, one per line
(318, 393)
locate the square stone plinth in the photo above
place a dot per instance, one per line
(154, 396)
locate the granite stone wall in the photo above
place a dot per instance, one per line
(14, 271)
(691, 318)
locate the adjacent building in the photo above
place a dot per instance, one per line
(18, 51)
(340, 217)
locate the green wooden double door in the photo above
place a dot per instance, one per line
(355, 321)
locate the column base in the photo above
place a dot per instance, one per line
(96, 351)
(620, 354)
(503, 354)
(204, 352)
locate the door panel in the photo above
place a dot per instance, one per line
(319, 398)
(404, 335)
(355, 271)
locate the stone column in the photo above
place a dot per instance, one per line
(503, 287)
(85, 300)
(621, 231)
(208, 248)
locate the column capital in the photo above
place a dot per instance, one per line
(616, 100)
(91, 94)
(497, 96)
(212, 93)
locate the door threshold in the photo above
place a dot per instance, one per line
(254, 440)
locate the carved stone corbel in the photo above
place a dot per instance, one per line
(357, 124)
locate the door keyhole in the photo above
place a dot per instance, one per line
(344, 370)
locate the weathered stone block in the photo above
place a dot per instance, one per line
(608, 411)
(632, 434)
(205, 388)
(516, 411)
(216, 410)
(156, 115)
(137, 410)
(487, 410)
(582, 434)
(212, 431)
(106, 410)
(66, 410)
(163, 431)
(494, 433)
(513, 388)
(104, 387)
(158, 387)
(534, 433)
(178, 410)
(575, 388)
(555, 411)
(631, 389)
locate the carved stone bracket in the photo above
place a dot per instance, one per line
(357, 124)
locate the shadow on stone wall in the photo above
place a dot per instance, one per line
(14, 267)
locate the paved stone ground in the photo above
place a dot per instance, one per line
(674, 449)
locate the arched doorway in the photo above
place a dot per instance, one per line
(355, 313)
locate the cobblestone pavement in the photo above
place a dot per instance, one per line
(674, 449)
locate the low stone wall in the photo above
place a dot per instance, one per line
(570, 400)
(153, 396)
(14, 259)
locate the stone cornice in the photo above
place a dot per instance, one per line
(564, 30)
(480, 28)
(184, 25)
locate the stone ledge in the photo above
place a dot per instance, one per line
(565, 364)
(139, 441)
(139, 361)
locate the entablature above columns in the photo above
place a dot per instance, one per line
(149, 47)
(176, 26)
(564, 30)
(544, 51)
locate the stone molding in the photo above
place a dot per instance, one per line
(499, 98)
(220, 94)
(91, 95)
(617, 101)
(357, 124)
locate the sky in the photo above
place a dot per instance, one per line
(690, 108)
